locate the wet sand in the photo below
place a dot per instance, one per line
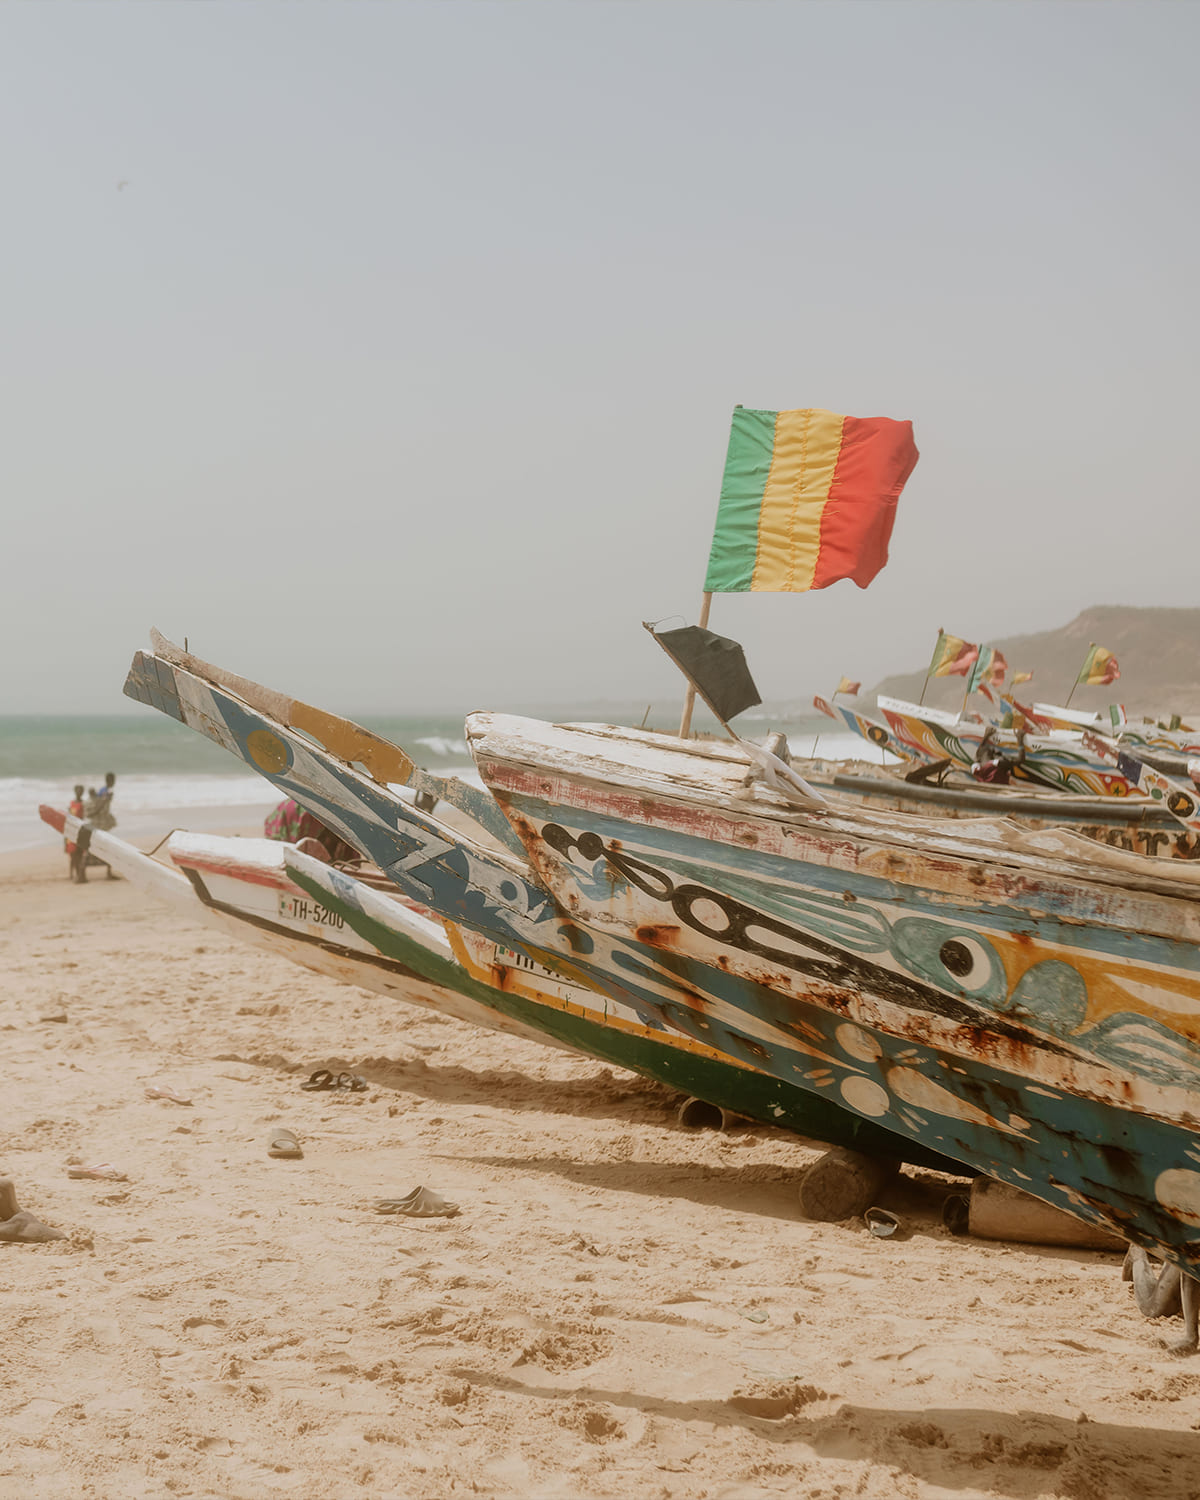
(622, 1308)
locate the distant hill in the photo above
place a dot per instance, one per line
(1158, 651)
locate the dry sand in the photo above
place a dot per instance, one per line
(622, 1308)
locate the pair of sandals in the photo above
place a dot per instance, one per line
(324, 1079)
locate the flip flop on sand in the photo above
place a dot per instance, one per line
(103, 1171)
(321, 1079)
(881, 1223)
(161, 1091)
(18, 1227)
(421, 1203)
(284, 1144)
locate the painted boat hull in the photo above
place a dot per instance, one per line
(1063, 764)
(873, 732)
(620, 1004)
(1022, 1002)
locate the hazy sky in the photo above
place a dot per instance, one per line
(398, 373)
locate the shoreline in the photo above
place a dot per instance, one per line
(622, 1308)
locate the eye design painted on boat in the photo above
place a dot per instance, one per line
(957, 957)
(951, 960)
(967, 961)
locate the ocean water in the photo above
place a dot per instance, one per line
(170, 777)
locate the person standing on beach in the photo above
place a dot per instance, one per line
(75, 808)
(99, 812)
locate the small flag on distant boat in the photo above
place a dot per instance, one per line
(1020, 677)
(1099, 669)
(808, 497)
(952, 656)
(851, 689)
(714, 665)
(981, 669)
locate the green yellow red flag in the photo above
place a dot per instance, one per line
(983, 668)
(1100, 668)
(807, 497)
(988, 668)
(952, 656)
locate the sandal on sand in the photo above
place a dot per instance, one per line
(324, 1079)
(321, 1079)
(104, 1171)
(284, 1144)
(160, 1091)
(881, 1223)
(421, 1203)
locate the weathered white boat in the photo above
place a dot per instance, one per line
(1026, 1003)
(242, 887)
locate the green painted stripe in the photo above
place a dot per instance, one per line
(739, 1090)
(735, 536)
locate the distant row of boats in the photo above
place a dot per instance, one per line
(989, 994)
(1128, 785)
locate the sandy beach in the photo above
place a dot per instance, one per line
(622, 1308)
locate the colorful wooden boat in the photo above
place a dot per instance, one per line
(241, 886)
(1056, 759)
(1181, 741)
(623, 993)
(1123, 821)
(871, 730)
(1028, 1002)
(932, 733)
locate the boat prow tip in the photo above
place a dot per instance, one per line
(161, 646)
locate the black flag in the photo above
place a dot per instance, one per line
(714, 665)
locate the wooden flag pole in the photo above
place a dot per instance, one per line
(689, 702)
(929, 674)
(1075, 684)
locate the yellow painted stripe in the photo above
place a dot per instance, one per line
(527, 988)
(807, 444)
